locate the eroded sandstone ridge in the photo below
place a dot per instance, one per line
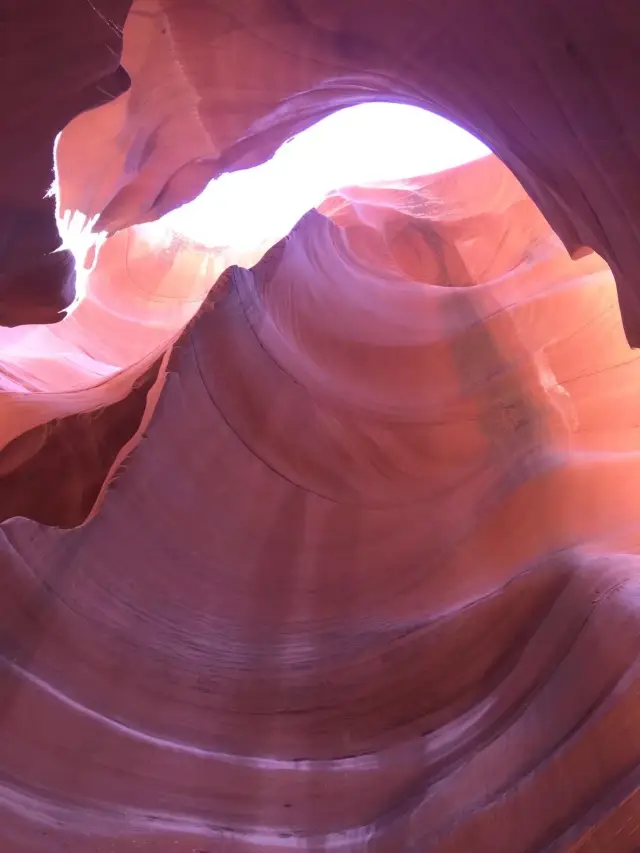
(332, 545)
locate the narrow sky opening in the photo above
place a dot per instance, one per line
(365, 144)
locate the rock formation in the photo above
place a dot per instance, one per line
(331, 543)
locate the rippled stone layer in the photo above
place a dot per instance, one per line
(367, 578)
(369, 581)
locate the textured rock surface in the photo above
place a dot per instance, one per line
(54, 63)
(370, 579)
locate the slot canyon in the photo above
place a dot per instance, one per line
(318, 492)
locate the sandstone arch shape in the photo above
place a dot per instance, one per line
(367, 578)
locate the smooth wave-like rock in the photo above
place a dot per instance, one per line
(547, 88)
(369, 580)
(328, 543)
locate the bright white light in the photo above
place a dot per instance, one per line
(365, 144)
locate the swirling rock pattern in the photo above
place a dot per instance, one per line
(368, 580)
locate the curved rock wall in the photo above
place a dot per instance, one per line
(368, 580)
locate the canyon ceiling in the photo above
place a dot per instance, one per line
(327, 542)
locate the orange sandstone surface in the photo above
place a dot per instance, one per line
(330, 543)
